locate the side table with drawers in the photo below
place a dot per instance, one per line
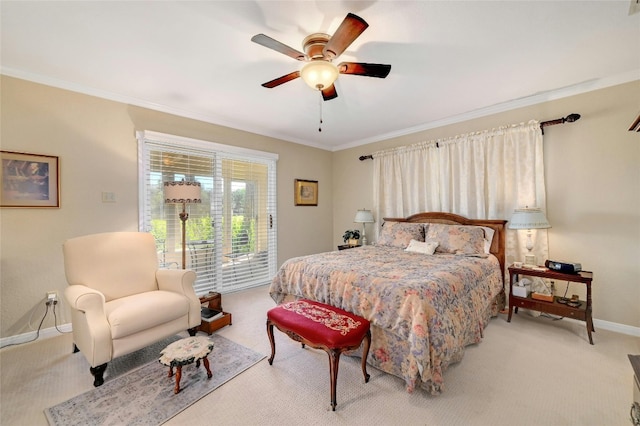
(555, 307)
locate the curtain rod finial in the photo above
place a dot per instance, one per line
(366, 157)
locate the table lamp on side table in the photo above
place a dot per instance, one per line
(363, 216)
(529, 218)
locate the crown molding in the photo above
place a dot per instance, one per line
(576, 89)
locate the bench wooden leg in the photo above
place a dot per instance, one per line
(365, 353)
(271, 341)
(334, 361)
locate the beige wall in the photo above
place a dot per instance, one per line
(593, 189)
(96, 145)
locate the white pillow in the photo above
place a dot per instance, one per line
(488, 238)
(424, 247)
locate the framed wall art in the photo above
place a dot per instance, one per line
(305, 192)
(29, 180)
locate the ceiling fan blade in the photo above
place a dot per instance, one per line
(267, 41)
(361, 68)
(329, 93)
(281, 80)
(347, 32)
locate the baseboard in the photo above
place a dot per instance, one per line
(618, 328)
(31, 336)
(610, 326)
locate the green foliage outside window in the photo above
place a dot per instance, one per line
(200, 229)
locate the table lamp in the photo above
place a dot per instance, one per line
(363, 216)
(182, 192)
(529, 218)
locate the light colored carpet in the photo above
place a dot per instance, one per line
(144, 395)
(532, 371)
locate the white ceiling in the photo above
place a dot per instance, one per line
(451, 60)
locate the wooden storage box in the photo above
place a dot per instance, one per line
(214, 301)
(210, 327)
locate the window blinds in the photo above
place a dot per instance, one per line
(231, 235)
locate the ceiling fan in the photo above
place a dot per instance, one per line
(320, 50)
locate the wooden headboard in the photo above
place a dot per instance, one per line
(498, 244)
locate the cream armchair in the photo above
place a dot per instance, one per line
(120, 301)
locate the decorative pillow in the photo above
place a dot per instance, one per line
(424, 247)
(400, 234)
(458, 239)
(488, 238)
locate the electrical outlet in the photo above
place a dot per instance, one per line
(52, 296)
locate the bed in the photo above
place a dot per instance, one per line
(429, 286)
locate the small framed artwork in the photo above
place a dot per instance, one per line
(305, 192)
(29, 180)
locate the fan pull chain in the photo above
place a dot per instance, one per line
(320, 106)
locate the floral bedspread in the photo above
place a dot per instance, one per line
(423, 309)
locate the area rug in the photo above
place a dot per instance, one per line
(145, 395)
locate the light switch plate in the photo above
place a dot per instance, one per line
(108, 197)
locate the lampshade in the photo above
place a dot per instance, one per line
(363, 216)
(319, 74)
(528, 218)
(182, 192)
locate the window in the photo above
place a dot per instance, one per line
(230, 236)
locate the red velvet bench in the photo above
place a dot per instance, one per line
(323, 327)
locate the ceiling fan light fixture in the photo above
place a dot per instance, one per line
(319, 74)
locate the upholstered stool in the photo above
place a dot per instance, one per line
(185, 352)
(321, 327)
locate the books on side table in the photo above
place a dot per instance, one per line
(209, 315)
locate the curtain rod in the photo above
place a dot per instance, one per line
(568, 119)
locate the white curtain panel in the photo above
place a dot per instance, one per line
(481, 175)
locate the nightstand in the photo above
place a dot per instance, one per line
(582, 312)
(346, 246)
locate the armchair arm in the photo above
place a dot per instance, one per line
(176, 280)
(83, 298)
(181, 281)
(91, 330)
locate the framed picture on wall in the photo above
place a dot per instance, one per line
(29, 180)
(305, 192)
